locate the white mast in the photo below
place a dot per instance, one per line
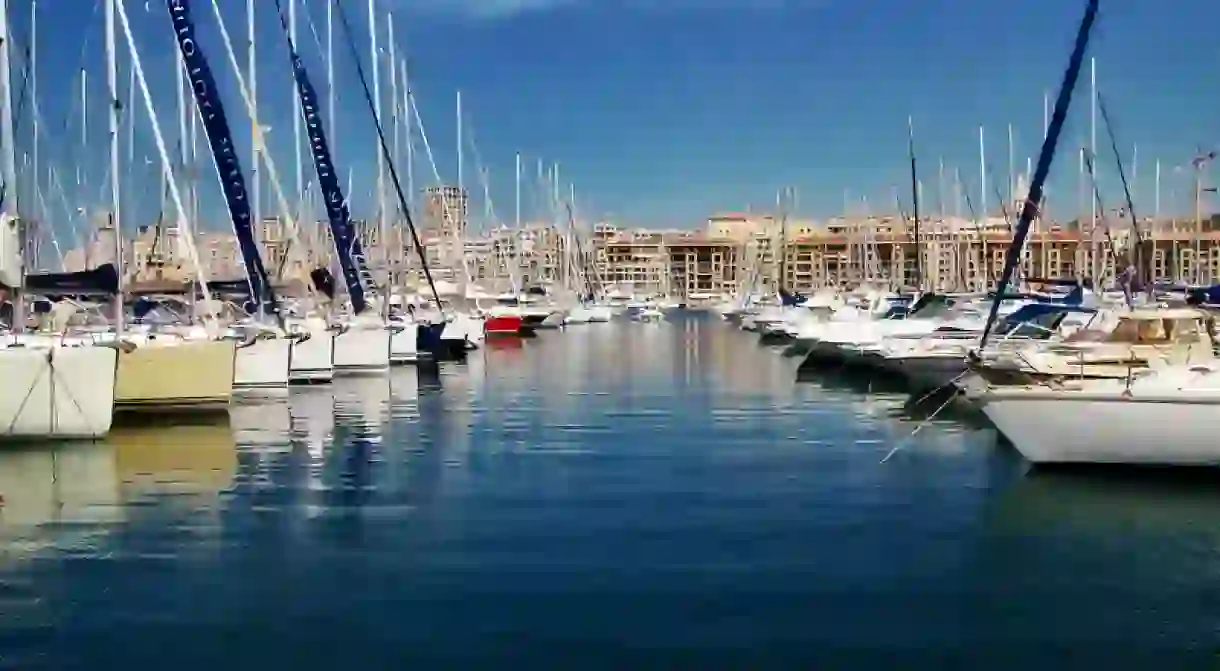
(10, 236)
(394, 116)
(373, 55)
(296, 118)
(398, 245)
(255, 135)
(1012, 170)
(1046, 113)
(409, 131)
(330, 72)
(1135, 168)
(84, 120)
(1156, 202)
(112, 88)
(983, 250)
(1093, 158)
(982, 175)
(461, 184)
(34, 93)
(517, 194)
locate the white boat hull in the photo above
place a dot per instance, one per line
(362, 350)
(264, 364)
(313, 359)
(57, 393)
(1076, 428)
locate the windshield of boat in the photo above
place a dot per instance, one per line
(1037, 320)
(930, 306)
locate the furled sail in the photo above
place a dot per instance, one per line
(347, 243)
(224, 154)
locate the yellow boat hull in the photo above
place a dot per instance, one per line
(191, 376)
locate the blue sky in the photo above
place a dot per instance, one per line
(663, 111)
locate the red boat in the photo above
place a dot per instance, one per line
(502, 325)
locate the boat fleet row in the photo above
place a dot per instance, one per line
(1067, 378)
(69, 383)
(68, 377)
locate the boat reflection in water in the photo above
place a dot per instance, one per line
(1126, 504)
(194, 460)
(74, 485)
(1123, 557)
(63, 497)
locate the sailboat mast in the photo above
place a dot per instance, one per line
(394, 114)
(1093, 156)
(395, 246)
(1156, 194)
(1046, 113)
(983, 250)
(517, 194)
(9, 166)
(255, 149)
(1012, 168)
(915, 202)
(299, 173)
(330, 72)
(376, 64)
(459, 217)
(34, 97)
(112, 89)
(84, 120)
(409, 122)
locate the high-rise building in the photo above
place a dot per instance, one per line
(445, 210)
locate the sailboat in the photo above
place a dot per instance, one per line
(1158, 417)
(263, 353)
(52, 391)
(362, 345)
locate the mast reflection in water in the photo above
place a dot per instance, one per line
(610, 496)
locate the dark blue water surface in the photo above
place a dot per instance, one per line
(613, 496)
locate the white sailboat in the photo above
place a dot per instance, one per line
(51, 392)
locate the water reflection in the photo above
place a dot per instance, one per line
(77, 485)
(1087, 505)
(609, 489)
(190, 460)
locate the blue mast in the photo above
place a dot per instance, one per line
(224, 154)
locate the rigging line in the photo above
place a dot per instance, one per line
(915, 203)
(1000, 198)
(1003, 201)
(906, 441)
(1101, 215)
(385, 149)
(1122, 176)
(484, 176)
(25, 81)
(978, 228)
(70, 114)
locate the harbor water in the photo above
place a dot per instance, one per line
(618, 495)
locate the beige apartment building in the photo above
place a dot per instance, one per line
(729, 250)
